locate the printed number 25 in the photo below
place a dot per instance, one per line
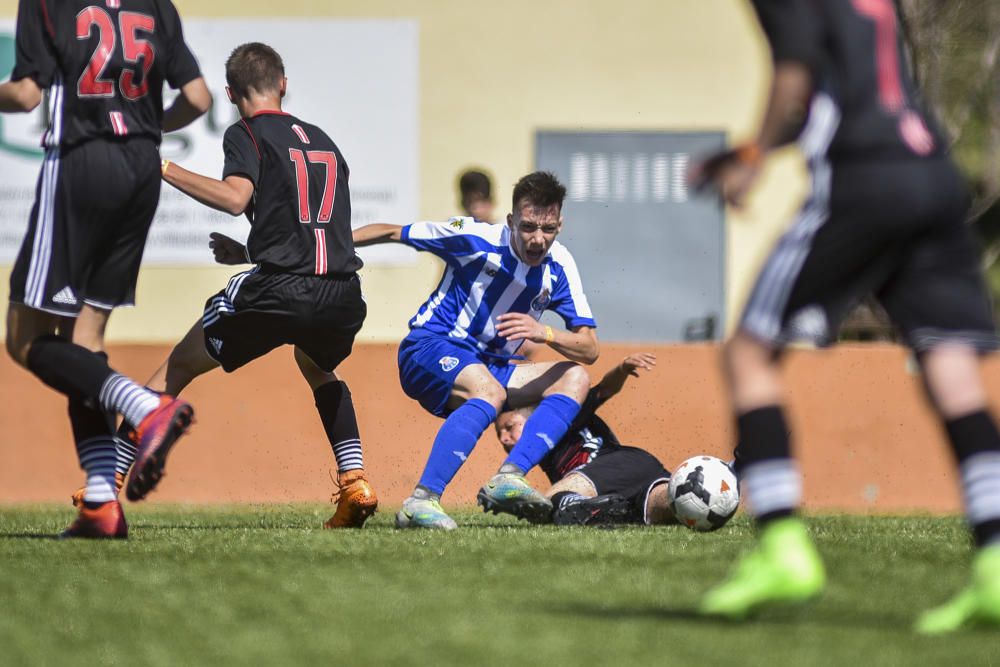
(91, 83)
(329, 160)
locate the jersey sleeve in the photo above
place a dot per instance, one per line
(241, 154)
(448, 240)
(35, 55)
(794, 29)
(568, 299)
(182, 66)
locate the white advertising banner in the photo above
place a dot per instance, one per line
(356, 79)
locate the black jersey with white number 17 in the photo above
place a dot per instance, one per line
(104, 63)
(300, 214)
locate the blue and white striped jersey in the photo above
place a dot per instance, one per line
(484, 279)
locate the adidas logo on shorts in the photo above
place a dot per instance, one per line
(217, 344)
(65, 296)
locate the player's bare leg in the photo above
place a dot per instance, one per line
(952, 379)
(574, 483)
(355, 498)
(559, 388)
(658, 512)
(785, 566)
(475, 399)
(187, 361)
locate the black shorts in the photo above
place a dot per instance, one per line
(895, 229)
(258, 312)
(627, 471)
(94, 204)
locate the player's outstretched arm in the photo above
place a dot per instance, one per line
(193, 101)
(22, 95)
(578, 344)
(231, 195)
(377, 233)
(614, 380)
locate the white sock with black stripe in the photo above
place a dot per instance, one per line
(348, 455)
(772, 486)
(124, 455)
(97, 458)
(132, 401)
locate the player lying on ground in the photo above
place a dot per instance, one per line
(456, 360)
(291, 181)
(886, 215)
(595, 479)
(96, 196)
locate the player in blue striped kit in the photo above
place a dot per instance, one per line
(456, 360)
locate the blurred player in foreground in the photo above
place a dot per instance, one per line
(104, 66)
(291, 181)
(886, 215)
(456, 360)
(595, 479)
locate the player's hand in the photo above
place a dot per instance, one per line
(227, 250)
(518, 326)
(733, 173)
(633, 362)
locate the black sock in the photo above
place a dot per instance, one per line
(336, 410)
(976, 444)
(768, 475)
(68, 368)
(87, 418)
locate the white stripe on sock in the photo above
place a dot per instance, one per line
(97, 458)
(348, 455)
(981, 487)
(122, 395)
(125, 451)
(771, 486)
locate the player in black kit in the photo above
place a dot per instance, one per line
(885, 216)
(291, 181)
(596, 480)
(103, 65)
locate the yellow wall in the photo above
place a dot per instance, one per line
(491, 74)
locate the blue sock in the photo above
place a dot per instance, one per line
(544, 429)
(455, 441)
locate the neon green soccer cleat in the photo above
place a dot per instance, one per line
(784, 568)
(424, 513)
(510, 493)
(978, 604)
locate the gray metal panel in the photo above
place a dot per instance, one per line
(651, 255)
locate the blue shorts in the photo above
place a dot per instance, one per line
(429, 364)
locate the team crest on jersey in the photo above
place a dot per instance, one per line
(448, 364)
(542, 301)
(457, 223)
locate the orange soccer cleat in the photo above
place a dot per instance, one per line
(106, 521)
(78, 494)
(356, 501)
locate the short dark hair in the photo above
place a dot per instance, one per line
(540, 188)
(472, 183)
(254, 66)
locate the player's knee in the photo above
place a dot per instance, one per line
(576, 382)
(744, 357)
(494, 394)
(18, 347)
(951, 376)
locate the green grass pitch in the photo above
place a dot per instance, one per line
(263, 585)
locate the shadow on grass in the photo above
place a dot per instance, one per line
(29, 536)
(776, 616)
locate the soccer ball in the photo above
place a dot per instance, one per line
(703, 493)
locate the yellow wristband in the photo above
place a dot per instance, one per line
(163, 167)
(550, 335)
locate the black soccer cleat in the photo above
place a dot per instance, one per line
(611, 509)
